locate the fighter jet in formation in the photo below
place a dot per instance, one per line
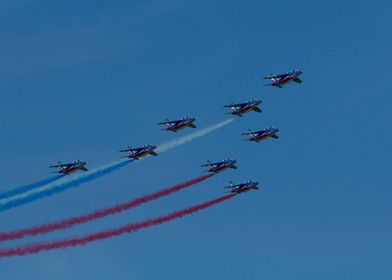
(137, 153)
(282, 79)
(244, 187)
(216, 167)
(242, 108)
(177, 125)
(67, 168)
(260, 135)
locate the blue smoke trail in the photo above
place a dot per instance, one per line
(60, 187)
(29, 187)
(53, 188)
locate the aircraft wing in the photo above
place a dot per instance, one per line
(176, 122)
(125, 150)
(236, 105)
(257, 109)
(210, 163)
(297, 80)
(61, 165)
(170, 122)
(274, 76)
(131, 150)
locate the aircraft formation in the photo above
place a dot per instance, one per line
(237, 109)
(50, 186)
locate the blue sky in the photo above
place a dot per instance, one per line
(81, 80)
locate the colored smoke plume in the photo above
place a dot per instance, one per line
(129, 228)
(66, 223)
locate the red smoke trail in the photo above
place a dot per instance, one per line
(38, 247)
(62, 224)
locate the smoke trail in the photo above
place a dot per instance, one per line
(45, 228)
(38, 247)
(55, 188)
(192, 136)
(31, 186)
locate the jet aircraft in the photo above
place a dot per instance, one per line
(177, 125)
(242, 108)
(137, 153)
(282, 79)
(67, 168)
(260, 135)
(215, 167)
(244, 187)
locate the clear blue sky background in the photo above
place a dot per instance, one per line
(81, 79)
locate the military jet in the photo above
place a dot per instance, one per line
(177, 125)
(244, 187)
(67, 168)
(137, 153)
(282, 79)
(216, 167)
(241, 108)
(260, 135)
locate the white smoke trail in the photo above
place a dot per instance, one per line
(181, 141)
(81, 178)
